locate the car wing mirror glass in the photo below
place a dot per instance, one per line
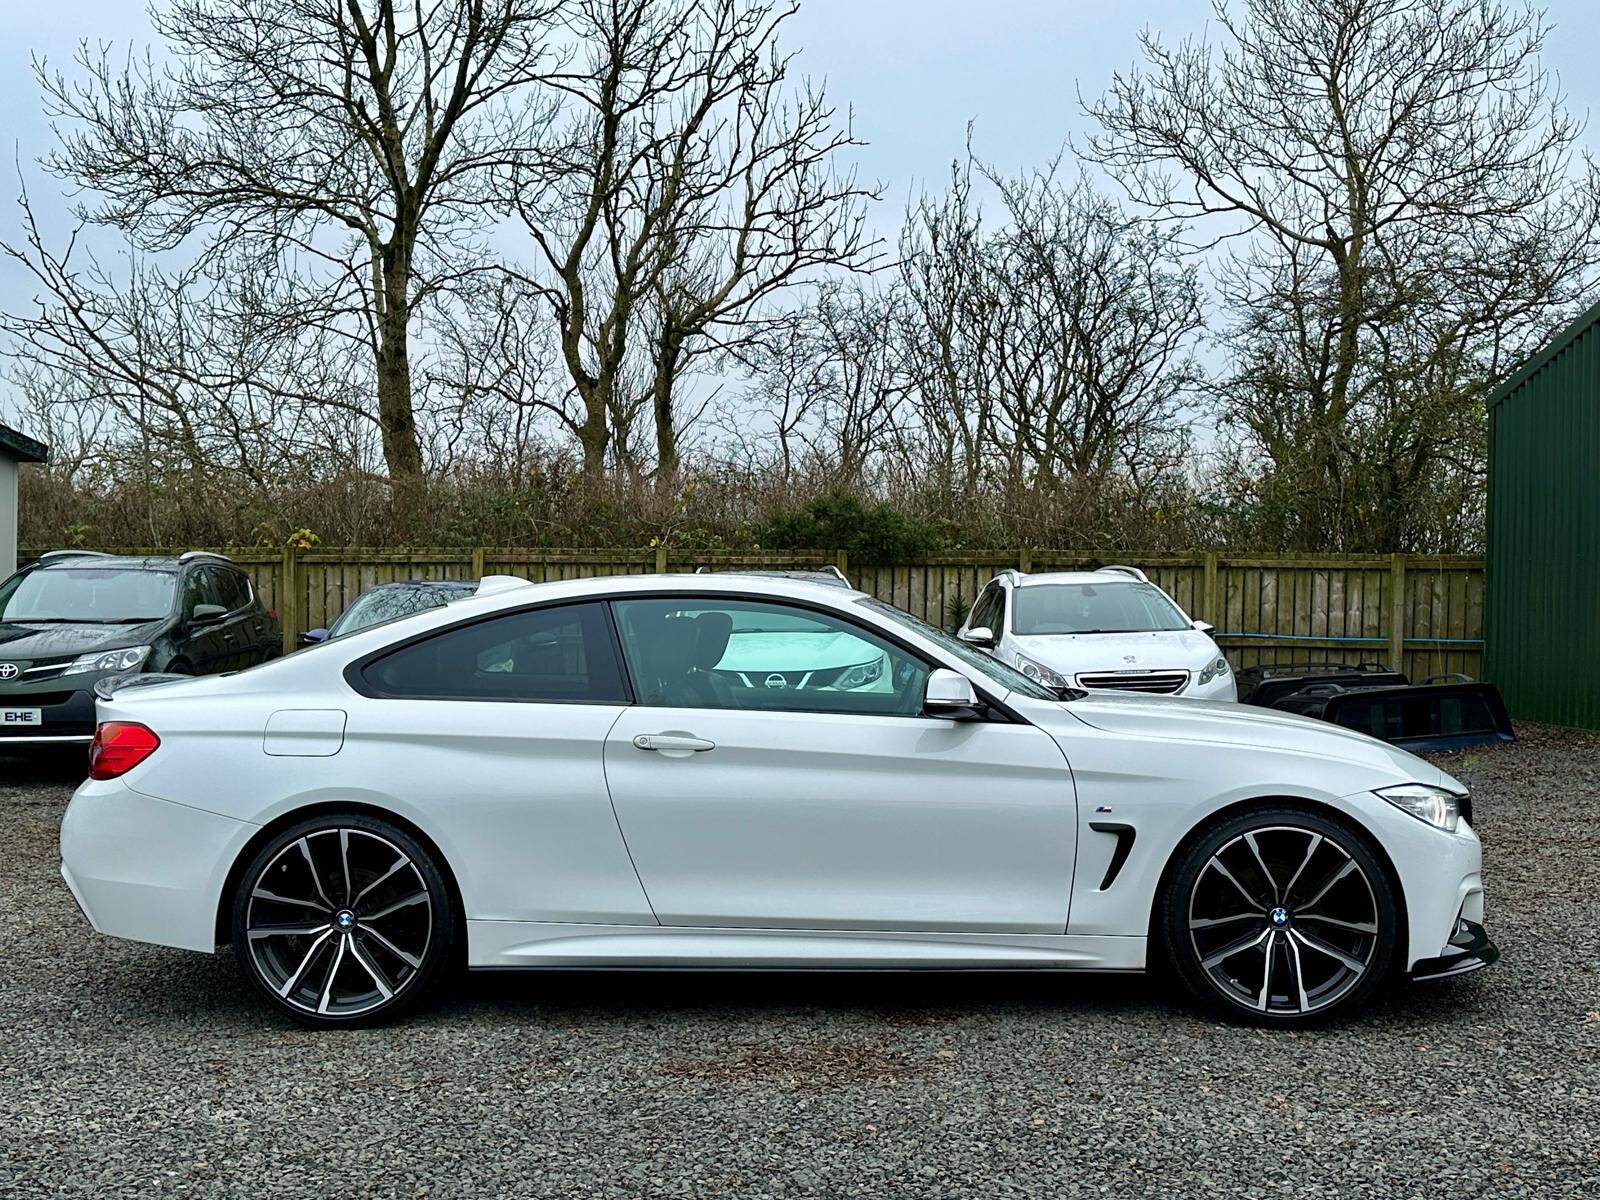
(982, 635)
(950, 694)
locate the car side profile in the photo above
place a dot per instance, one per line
(75, 619)
(567, 775)
(1105, 629)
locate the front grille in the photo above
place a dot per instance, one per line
(33, 699)
(1163, 683)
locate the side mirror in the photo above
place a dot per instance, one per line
(1204, 627)
(311, 637)
(950, 694)
(981, 636)
(206, 614)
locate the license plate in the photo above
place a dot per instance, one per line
(20, 716)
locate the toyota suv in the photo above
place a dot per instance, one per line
(73, 618)
(1105, 629)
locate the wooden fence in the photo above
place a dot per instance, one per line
(1424, 612)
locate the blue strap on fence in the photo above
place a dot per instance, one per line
(1328, 637)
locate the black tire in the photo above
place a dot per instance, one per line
(330, 953)
(1326, 907)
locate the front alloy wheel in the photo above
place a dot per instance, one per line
(1281, 917)
(342, 921)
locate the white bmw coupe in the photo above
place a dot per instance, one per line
(599, 773)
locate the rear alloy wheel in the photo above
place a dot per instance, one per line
(1281, 917)
(343, 920)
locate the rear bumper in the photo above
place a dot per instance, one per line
(1469, 950)
(147, 869)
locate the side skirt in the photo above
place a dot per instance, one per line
(533, 944)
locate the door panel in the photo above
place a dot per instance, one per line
(495, 728)
(845, 821)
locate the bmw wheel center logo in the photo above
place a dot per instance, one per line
(344, 919)
(1279, 917)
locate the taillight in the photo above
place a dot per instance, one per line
(118, 747)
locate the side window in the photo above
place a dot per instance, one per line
(231, 588)
(198, 589)
(997, 619)
(706, 652)
(985, 611)
(562, 654)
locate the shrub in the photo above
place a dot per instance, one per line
(869, 533)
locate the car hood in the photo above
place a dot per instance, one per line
(1071, 653)
(1225, 723)
(27, 642)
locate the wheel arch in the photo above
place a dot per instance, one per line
(224, 914)
(1315, 807)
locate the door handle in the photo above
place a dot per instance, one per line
(675, 745)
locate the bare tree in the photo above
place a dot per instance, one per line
(1414, 216)
(1056, 346)
(829, 381)
(687, 187)
(349, 140)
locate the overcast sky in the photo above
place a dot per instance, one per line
(915, 72)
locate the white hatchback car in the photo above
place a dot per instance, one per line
(1110, 628)
(567, 775)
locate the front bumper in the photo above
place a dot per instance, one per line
(147, 869)
(66, 712)
(1469, 950)
(1222, 687)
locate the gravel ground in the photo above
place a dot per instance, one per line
(131, 1070)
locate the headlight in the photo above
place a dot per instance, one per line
(859, 676)
(1041, 673)
(1213, 670)
(1437, 807)
(108, 660)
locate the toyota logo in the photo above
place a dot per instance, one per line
(8, 670)
(775, 681)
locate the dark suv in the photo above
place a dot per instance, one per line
(73, 618)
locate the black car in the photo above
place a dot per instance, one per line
(385, 602)
(73, 618)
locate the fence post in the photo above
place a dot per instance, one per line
(842, 560)
(288, 597)
(477, 562)
(1025, 560)
(1397, 612)
(1208, 591)
(661, 559)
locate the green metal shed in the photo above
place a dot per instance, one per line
(1542, 594)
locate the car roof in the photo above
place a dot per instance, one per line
(622, 586)
(136, 562)
(1096, 577)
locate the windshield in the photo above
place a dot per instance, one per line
(101, 595)
(1003, 676)
(390, 604)
(1041, 608)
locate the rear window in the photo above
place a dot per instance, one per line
(112, 595)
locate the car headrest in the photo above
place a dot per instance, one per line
(711, 633)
